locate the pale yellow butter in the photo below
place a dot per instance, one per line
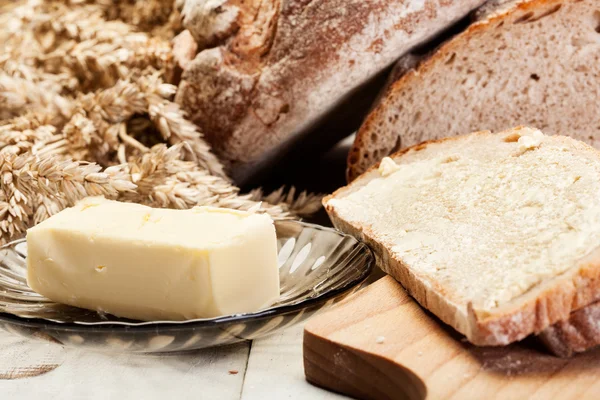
(155, 264)
(387, 166)
(530, 139)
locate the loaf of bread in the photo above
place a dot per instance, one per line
(496, 234)
(269, 71)
(532, 62)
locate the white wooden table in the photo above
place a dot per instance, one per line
(269, 368)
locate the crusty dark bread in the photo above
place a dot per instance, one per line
(549, 300)
(269, 70)
(532, 62)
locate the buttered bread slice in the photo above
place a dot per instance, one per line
(496, 234)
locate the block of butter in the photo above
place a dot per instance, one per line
(152, 264)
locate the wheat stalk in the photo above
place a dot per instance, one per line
(33, 187)
(304, 204)
(172, 124)
(77, 44)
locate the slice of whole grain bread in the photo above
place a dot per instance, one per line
(269, 71)
(531, 62)
(496, 234)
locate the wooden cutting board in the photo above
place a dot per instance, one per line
(379, 344)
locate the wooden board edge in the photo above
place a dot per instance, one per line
(333, 366)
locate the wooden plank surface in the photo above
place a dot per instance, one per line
(269, 369)
(275, 370)
(35, 370)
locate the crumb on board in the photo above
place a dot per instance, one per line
(233, 372)
(380, 339)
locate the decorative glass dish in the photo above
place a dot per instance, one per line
(318, 267)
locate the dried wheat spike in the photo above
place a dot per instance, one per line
(33, 188)
(175, 128)
(77, 45)
(159, 17)
(18, 94)
(165, 180)
(303, 205)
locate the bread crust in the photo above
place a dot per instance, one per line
(275, 68)
(540, 307)
(370, 144)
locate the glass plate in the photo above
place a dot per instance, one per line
(317, 267)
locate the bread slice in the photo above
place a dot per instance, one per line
(533, 62)
(496, 234)
(579, 333)
(269, 71)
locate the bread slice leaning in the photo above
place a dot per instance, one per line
(579, 333)
(496, 234)
(533, 62)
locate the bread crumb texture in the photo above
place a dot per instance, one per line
(487, 217)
